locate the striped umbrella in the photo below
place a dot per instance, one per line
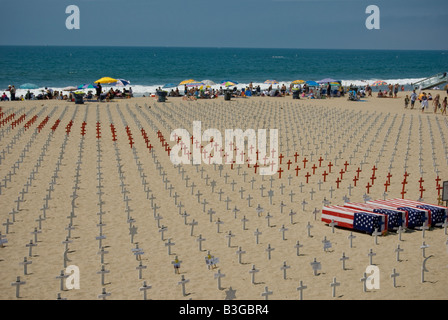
(187, 82)
(229, 83)
(271, 82)
(298, 81)
(195, 84)
(379, 83)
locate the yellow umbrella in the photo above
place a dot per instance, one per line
(187, 82)
(106, 80)
(298, 81)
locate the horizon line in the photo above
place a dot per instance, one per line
(207, 47)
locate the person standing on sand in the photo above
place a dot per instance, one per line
(98, 91)
(436, 103)
(444, 103)
(406, 102)
(396, 91)
(424, 102)
(413, 98)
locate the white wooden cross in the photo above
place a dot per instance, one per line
(300, 288)
(218, 276)
(284, 267)
(334, 284)
(144, 288)
(17, 284)
(266, 293)
(252, 272)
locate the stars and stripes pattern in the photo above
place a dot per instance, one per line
(438, 213)
(383, 215)
(354, 219)
(395, 218)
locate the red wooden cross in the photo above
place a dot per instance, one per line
(386, 185)
(345, 165)
(297, 170)
(280, 170)
(338, 182)
(289, 163)
(355, 179)
(295, 156)
(325, 174)
(368, 186)
(357, 172)
(281, 158)
(307, 176)
(314, 167)
(304, 162)
(341, 173)
(329, 167)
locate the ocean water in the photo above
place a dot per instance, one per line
(150, 67)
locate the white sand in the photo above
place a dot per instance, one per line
(345, 123)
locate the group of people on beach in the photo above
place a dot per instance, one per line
(49, 94)
(425, 100)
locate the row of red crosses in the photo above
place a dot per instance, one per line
(55, 125)
(30, 122)
(68, 127)
(113, 131)
(146, 138)
(42, 124)
(98, 130)
(83, 128)
(165, 144)
(7, 119)
(129, 133)
(18, 121)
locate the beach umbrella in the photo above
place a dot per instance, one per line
(335, 83)
(187, 82)
(195, 84)
(326, 80)
(227, 80)
(271, 82)
(106, 80)
(379, 83)
(229, 84)
(87, 86)
(298, 81)
(312, 83)
(70, 88)
(208, 82)
(121, 83)
(28, 86)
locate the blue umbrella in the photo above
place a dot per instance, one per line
(121, 83)
(28, 86)
(88, 86)
(312, 83)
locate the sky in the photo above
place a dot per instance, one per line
(321, 24)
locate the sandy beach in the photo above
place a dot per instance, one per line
(99, 172)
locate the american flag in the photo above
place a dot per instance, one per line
(438, 213)
(395, 218)
(415, 217)
(354, 219)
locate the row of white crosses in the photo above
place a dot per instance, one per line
(37, 230)
(71, 225)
